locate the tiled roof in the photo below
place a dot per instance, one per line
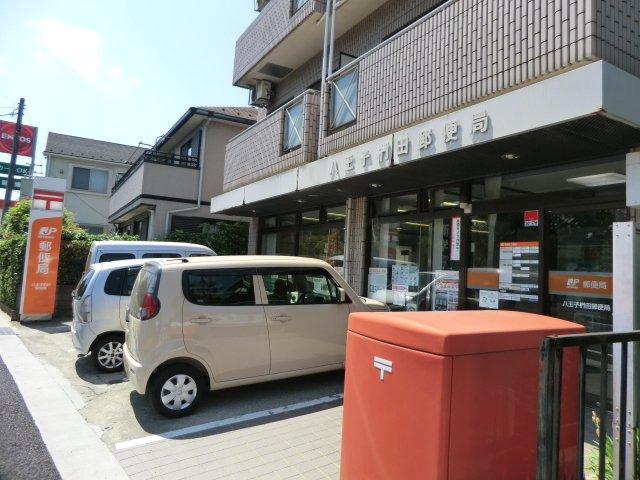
(248, 113)
(94, 149)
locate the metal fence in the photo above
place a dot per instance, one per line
(549, 401)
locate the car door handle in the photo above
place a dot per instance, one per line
(281, 318)
(201, 320)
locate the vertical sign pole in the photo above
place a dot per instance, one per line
(626, 273)
(14, 156)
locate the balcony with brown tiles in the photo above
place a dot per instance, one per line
(259, 151)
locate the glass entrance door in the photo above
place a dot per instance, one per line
(504, 260)
(414, 263)
(581, 267)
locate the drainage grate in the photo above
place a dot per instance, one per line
(7, 331)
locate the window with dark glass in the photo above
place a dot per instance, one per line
(448, 197)
(310, 217)
(89, 179)
(337, 213)
(187, 149)
(397, 205)
(288, 220)
(161, 255)
(219, 287)
(299, 286)
(114, 257)
(113, 284)
(270, 222)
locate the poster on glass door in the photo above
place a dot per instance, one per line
(446, 290)
(518, 273)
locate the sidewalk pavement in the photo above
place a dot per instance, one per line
(302, 444)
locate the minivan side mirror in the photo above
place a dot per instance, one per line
(342, 295)
(74, 293)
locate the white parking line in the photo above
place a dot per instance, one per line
(228, 421)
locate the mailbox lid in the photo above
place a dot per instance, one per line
(464, 332)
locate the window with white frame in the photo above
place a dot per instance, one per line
(345, 99)
(89, 179)
(293, 117)
(297, 4)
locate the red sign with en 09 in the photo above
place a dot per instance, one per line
(531, 218)
(25, 145)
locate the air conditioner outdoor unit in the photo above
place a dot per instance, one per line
(261, 93)
(259, 4)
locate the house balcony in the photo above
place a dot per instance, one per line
(281, 141)
(154, 176)
(279, 40)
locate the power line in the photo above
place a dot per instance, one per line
(8, 98)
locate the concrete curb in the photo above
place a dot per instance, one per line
(76, 450)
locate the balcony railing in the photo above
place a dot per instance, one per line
(258, 152)
(153, 156)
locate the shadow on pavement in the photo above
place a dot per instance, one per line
(234, 402)
(87, 372)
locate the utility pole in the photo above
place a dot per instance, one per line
(14, 156)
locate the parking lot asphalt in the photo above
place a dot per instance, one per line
(275, 430)
(289, 428)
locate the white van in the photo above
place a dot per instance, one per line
(112, 250)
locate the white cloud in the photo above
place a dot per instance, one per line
(115, 71)
(41, 58)
(78, 48)
(132, 82)
(3, 69)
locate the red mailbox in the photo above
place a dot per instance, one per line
(450, 395)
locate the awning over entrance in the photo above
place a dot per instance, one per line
(582, 114)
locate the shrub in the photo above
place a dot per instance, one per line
(74, 249)
(224, 238)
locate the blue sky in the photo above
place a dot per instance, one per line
(118, 71)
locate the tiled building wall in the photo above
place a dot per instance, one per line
(273, 24)
(355, 259)
(363, 37)
(257, 152)
(473, 49)
(617, 32)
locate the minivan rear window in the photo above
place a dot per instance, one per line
(120, 282)
(114, 257)
(161, 255)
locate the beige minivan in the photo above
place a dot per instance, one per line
(198, 324)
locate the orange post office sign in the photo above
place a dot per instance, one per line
(41, 272)
(40, 275)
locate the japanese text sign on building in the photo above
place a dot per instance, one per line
(43, 250)
(26, 140)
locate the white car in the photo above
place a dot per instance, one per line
(99, 305)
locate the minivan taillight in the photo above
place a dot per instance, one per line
(150, 307)
(84, 312)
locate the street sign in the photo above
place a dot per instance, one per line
(20, 170)
(17, 183)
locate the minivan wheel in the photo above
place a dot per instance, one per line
(177, 390)
(107, 354)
